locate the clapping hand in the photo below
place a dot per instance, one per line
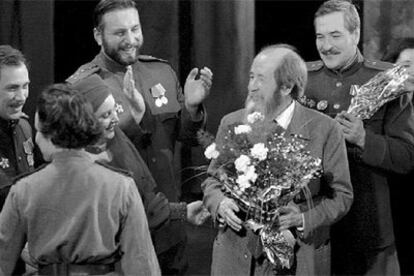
(197, 90)
(197, 213)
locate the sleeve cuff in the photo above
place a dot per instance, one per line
(178, 211)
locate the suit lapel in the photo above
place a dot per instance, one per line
(300, 122)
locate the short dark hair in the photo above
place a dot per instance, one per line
(351, 17)
(10, 56)
(105, 6)
(396, 47)
(67, 118)
(291, 72)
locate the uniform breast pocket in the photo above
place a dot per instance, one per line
(169, 122)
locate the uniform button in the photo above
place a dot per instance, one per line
(153, 159)
(338, 84)
(19, 158)
(336, 106)
(245, 256)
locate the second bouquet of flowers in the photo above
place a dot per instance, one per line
(262, 169)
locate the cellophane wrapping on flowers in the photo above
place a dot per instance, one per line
(382, 88)
(262, 170)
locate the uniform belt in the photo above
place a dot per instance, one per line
(75, 269)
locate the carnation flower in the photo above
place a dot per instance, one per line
(259, 151)
(243, 181)
(242, 162)
(211, 152)
(246, 179)
(251, 174)
(254, 117)
(242, 129)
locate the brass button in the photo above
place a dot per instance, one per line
(336, 106)
(338, 84)
(153, 159)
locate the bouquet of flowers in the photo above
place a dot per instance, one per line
(382, 88)
(262, 170)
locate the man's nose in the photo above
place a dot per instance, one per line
(130, 37)
(326, 44)
(21, 94)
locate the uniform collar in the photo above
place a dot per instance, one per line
(349, 69)
(8, 124)
(109, 63)
(69, 154)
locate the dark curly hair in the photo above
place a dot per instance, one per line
(67, 118)
(395, 48)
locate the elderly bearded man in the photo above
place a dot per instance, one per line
(277, 77)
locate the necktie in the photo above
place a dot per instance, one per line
(135, 98)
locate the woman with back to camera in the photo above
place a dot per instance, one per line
(77, 216)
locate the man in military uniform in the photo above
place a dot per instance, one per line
(153, 111)
(363, 242)
(16, 144)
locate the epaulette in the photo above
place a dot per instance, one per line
(314, 65)
(83, 72)
(146, 58)
(118, 170)
(20, 176)
(376, 64)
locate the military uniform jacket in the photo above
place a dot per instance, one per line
(78, 212)
(160, 127)
(331, 195)
(389, 147)
(16, 152)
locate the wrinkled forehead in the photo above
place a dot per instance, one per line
(331, 22)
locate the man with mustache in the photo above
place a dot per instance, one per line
(277, 78)
(16, 144)
(363, 241)
(153, 112)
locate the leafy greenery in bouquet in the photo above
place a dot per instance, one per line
(262, 169)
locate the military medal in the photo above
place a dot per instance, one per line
(119, 108)
(4, 163)
(322, 105)
(158, 92)
(28, 149)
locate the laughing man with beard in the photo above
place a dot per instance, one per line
(277, 78)
(153, 110)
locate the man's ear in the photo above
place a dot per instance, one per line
(285, 90)
(97, 34)
(356, 35)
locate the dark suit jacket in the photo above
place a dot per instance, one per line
(332, 198)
